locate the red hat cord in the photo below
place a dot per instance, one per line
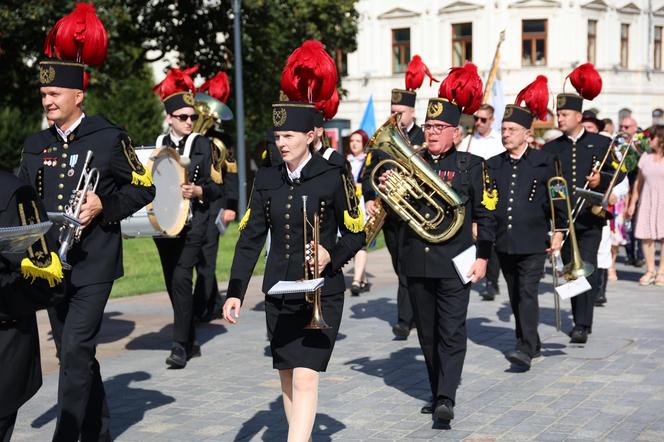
(177, 80)
(463, 86)
(415, 73)
(586, 80)
(217, 87)
(536, 97)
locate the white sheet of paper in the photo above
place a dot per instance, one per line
(573, 288)
(463, 261)
(219, 222)
(308, 286)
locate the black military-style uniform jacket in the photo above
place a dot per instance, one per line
(523, 212)
(53, 166)
(420, 258)
(577, 160)
(276, 206)
(20, 298)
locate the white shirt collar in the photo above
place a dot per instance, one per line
(412, 123)
(174, 137)
(65, 134)
(295, 175)
(575, 139)
(521, 155)
(318, 146)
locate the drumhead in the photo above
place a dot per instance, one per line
(169, 210)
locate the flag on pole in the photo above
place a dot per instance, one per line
(368, 123)
(497, 100)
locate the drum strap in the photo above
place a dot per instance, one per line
(160, 140)
(187, 144)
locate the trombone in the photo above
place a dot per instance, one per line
(576, 268)
(311, 255)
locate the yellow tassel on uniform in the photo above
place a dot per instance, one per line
(358, 191)
(490, 199)
(145, 179)
(264, 155)
(244, 220)
(354, 224)
(52, 273)
(368, 160)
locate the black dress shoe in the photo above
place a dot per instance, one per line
(428, 407)
(400, 331)
(579, 335)
(489, 293)
(520, 358)
(194, 351)
(178, 357)
(600, 300)
(444, 410)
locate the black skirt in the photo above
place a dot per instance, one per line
(291, 344)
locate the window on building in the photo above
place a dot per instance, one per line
(624, 45)
(592, 41)
(657, 54)
(533, 42)
(400, 50)
(462, 43)
(342, 62)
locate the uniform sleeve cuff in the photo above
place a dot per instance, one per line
(236, 289)
(110, 208)
(231, 205)
(484, 249)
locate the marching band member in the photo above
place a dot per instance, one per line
(53, 160)
(179, 255)
(578, 150)
(521, 175)
(438, 295)
(276, 206)
(403, 102)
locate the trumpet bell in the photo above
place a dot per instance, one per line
(573, 271)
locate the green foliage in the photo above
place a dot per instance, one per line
(15, 126)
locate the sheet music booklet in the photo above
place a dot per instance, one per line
(303, 286)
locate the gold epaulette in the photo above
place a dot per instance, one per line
(489, 192)
(140, 176)
(353, 216)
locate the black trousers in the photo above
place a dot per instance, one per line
(82, 407)
(440, 306)
(522, 274)
(7, 427)
(178, 257)
(583, 305)
(493, 268)
(207, 300)
(391, 232)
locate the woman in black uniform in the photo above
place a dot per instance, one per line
(276, 206)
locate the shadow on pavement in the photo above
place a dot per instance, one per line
(163, 339)
(112, 328)
(276, 427)
(384, 309)
(390, 370)
(127, 405)
(547, 315)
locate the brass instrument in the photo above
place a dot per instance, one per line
(70, 232)
(374, 224)
(413, 190)
(211, 111)
(311, 255)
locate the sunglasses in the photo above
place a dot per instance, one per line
(185, 117)
(482, 119)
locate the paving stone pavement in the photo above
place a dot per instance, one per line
(610, 389)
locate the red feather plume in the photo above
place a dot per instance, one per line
(177, 80)
(217, 87)
(463, 86)
(78, 36)
(310, 73)
(586, 80)
(536, 97)
(415, 74)
(330, 106)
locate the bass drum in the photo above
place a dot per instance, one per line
(167, 214)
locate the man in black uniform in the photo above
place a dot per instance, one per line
(578, 151)
(52, 161)
(29, 280)
(520, 175)
(438, 295)
(179, 255)
(403, 102)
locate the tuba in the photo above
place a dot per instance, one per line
(210, 111)
(414, 191)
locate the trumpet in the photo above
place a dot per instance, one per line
(311, 255)
(70, 232)
(576, 268)
(414, 191)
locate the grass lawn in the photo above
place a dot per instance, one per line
(143, 270)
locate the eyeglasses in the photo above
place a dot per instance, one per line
(482, 119)
(436, 128)
(625, 126)
(185, 117)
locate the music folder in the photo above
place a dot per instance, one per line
(463, 261)
(302, 286)
(573, 288)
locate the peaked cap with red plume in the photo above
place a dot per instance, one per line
(177, 89)
(76, 39)
(587, 82)
(310, 74)
(535, 96)
(415, 73)
(217, 87)
(461, 91)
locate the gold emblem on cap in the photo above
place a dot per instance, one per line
(188, 98)
(561, 100)
(509, 110)
(46, 74)
(283, 96)
(396, 96)
(279, 116)
(434, 110)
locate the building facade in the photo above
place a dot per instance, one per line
(548, 37)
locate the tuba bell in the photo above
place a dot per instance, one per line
(414, 191)
(211, 111)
